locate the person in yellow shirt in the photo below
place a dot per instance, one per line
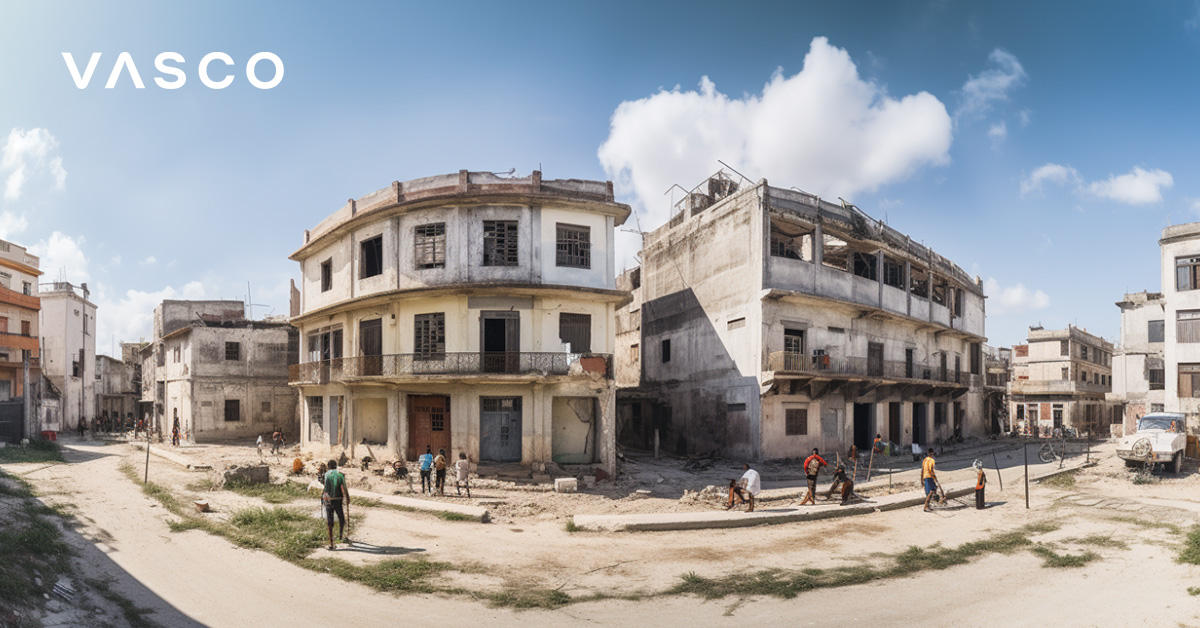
(929, 478)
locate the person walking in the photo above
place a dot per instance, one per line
(439, 468)
(462, 470)
(812, 467)
(175, 430)
(980, 483)
(929, 478)
(276, 441)
(426, 463)
(336, 499)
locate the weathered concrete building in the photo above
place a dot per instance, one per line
(221, 375)
(772, 321)
(68, 328)
(1180, 255)
(997, 367)
(20, 355)
(118, 387)
(1061, 379)
(1138, 366)
(466, 311)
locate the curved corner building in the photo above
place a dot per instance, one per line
(465, 312)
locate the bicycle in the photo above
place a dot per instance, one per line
(1047, 453)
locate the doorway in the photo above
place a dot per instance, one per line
(500, 429)
(864, 419)
(920, 423)
(428, 424)
(895, 429)
(500, 341)
(370, 341)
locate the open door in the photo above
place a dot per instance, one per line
(500, 341)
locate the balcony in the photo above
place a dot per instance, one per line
(840, 367)
(1056, 387)
(18, 341)
(19, 299)
(410, 366)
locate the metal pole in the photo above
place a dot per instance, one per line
(147, 479)
(999, 475)
(1088, 454)
(870, 464)
(1062, 453)
(1026, 448)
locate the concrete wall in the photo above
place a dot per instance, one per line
(67, 325)
(1178, 241)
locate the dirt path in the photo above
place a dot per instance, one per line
(192, 574)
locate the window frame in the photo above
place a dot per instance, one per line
(327, 275)
(234, 348)
(795, 421)
(572, 246)
(429, 246)
(237, 410)
(370, 260)
(429, 335)
(501, 243)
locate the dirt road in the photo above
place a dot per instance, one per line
(192, 578)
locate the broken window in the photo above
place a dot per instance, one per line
(866, 265)
(233, 410)
(835, 252)
(919, 283)
(666, 350)
(576, 330)
(793, 349)
(956, 310)
(893, 273)
(327, 275)
(499, 243)
(233, 351)
(573, 246)
(430, 335)
(938, 293)
(372, 257)
(429, 245)
(795, 421)
(1187, 273)
(791, 242)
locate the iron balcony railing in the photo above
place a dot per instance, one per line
(455, 364)
(826, 364)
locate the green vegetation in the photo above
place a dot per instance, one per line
(1147, 523)
(1099, 540)
(31, 546)
(289, 534)
(389, 575)
(134, 614)
(268, 492)
(1050, 558)
(36, 451)
(531, 598)
(571, 527)
(1193, 590)
(1062, 480)
(1191, 547)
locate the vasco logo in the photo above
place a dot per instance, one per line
(125, 63)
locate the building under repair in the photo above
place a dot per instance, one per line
(767, 321)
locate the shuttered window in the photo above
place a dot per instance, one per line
(429, 245)
(1187, 326)
(430, 335)
(500, 243)
(796, 421)
(1189, 380)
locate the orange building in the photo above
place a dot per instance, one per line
(19, 307)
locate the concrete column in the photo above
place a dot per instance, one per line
(879, 275)
(818, 243)
(908, 287)
(606, 434)
(395, 432)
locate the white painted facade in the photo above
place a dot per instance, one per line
(68, 328)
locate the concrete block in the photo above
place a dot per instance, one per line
(254, 474)
(566, 485)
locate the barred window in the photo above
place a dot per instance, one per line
(796, 421)
(500, 243)
(233, 351)
(233, 410)
(430, 245)
(430, 330)
(574, 246)
(576, 330)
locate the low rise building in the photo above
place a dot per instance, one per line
(20, 354)
(68, 328)
(1061, 379)
(467, 312)
(770, 321)
(118, 387)
(1138, 365)
(997, 366)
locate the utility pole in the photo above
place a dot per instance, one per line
(1025, 448)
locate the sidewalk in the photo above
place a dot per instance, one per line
(424, 505)
(165, 454)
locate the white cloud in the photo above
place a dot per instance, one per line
(1014, 299)
(27, 154)
(991, 85)
(148, 261)
(823, 129)
(131, 317)
(1025, 116)
(1137, 187)
(12, 224)
(998, 131)
(62, 258)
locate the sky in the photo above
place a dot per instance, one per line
(1040, 146)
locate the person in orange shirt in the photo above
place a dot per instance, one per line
(929, 478)
(980, 483)
(812, 467)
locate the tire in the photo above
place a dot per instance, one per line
(1046, 453)
(1177, 463)
(1133, 464)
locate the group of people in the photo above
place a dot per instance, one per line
(113, 423)
(748, 487)
(433, 472)
(278, 443)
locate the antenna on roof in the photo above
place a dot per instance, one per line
(744, 177)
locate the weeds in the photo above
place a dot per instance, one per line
(1147, 523)
(31, 546)
(1191, 547)
(36, 451)
(1193, 591)
(134, 614)
(1062, 480)
(531, 598)
(1099, 540)
(389, 575)
(268, 492)
(1050, 558)
(571, 527)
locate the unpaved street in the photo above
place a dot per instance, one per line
(1134, 581)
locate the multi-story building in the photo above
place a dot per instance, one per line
(1180, 255)
(997, 368)
(1061, 379)
(68, 328)
(217, 373)
(20, 355)
(1138, 367)
(118, 387)
(772, 321)
(468, 312)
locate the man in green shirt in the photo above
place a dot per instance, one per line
(334, 496)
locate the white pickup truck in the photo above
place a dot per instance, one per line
(1160, 439)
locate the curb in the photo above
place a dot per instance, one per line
(170, 457)
(475, 513)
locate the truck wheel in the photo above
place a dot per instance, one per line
(1133, 464)
(1177, 463)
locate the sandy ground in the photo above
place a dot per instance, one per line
(193, 577)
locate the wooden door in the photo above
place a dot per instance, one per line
(428, 424)
(370, 342)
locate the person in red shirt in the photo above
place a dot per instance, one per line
(812, 467)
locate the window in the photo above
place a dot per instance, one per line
(27, 288)
(790, 246)
(315, 409)
(26, 328)
(866, 266)
(793, 349)
(893, 273)
(1156, 407)
(1187, 273)
(233, 410)
(796, 421)
(976, 358)
(327, 275)
(956, 310)
(939, 414)
(666, 350)
(1189, 380)
(1066, 373)
(919, 283)
(576, 330)
(1064, 347)
(1157, 378)
(430, 335)
(3, 324)
(1187, 326)
(233, 350)
(574, 248)
(635, 278)
(499, 243)
(372, 257)
(177, 355)
(635, 354)
(1083, 376)
(266, 407)
(1083, 352)
(429, 245)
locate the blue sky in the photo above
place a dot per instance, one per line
(1041, 147)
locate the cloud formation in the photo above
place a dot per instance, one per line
(1015, 299)
(990, 86)
(12, 224)
(1136, 187)
(998, 132)
(823, 129)
(62, 258)
(27, 154)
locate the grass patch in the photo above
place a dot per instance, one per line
(389, 575)
(31, 546)
(446, 515)
(530, 598)
(1147, 523)
(571, 527)
(1062, 480)
(271, 493)
(1191, 547)
(1143, 479)
(36, 451)
(1050, 558)
(134, 614)
(289, 534)
(1099, 540)
(1193, 590)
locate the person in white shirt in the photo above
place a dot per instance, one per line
(749, 486)
(462, 468)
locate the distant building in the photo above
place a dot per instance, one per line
(118, 387)
(20, 355)
(1138, 367)
(766, 321)
(1061, 379)
(997, 366)
(217, 373)
(68, 327)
